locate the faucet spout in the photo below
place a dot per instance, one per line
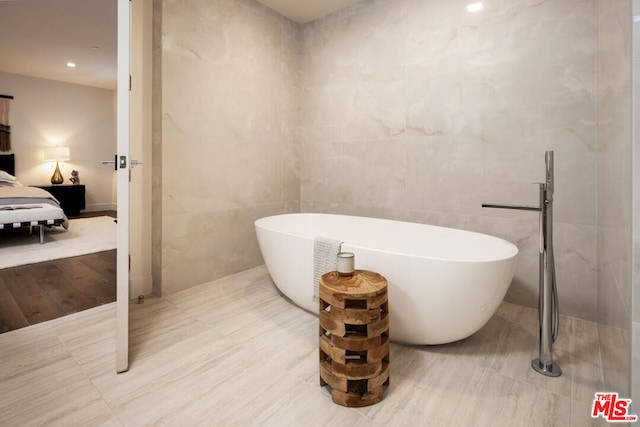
(516, 207)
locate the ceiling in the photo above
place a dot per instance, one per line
(303, 11)
(39, 37)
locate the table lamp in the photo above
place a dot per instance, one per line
(58, 154)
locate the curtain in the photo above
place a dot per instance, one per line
(5, 126)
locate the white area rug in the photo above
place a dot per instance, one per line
(84, 236)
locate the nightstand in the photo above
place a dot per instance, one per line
(71, 197)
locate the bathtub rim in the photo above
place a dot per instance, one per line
(514, 251)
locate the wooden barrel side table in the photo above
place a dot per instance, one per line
(354, 337)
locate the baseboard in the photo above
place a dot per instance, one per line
(98, 207)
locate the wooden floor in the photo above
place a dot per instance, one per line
(35, 293)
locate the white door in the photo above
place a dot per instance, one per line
(122, 166)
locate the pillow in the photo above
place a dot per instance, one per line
(10, 184)
(7, 177)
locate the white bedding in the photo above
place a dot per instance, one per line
(27, 205)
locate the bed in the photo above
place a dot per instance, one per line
(26, 206)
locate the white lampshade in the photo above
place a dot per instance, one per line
(52, 154)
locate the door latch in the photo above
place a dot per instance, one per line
(113, 162)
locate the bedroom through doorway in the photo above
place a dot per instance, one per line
(57, 84)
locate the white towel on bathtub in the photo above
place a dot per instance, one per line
(325, 259)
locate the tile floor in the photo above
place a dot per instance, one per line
(235, 352)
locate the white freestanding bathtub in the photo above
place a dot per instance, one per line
(443, 284)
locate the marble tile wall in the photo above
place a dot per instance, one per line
(229, 147)
(614, 189)
(635, 300)
(411, 110)
(418, 110)
(401, 109)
